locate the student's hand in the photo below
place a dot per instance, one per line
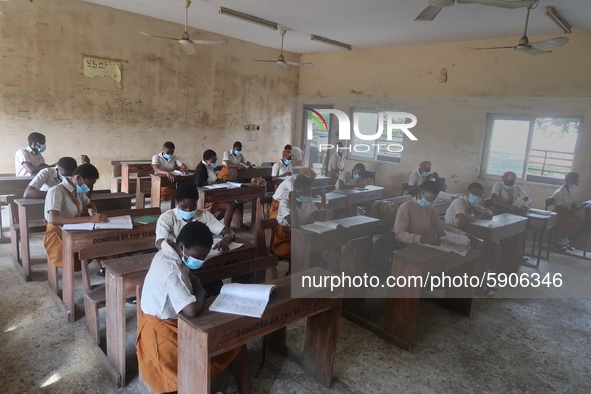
(183, 168)
(430, 240)
(223, 246)
(84, 159)
(170, 176)
(287, 174)
(524, 208)
(99, 218)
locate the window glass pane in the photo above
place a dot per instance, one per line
(553, 147)
(508, 143)
(320, 136)
(368, 125)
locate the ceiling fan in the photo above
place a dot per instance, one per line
(281, 60)
(532, 47)
(185, 41)
(435, 6)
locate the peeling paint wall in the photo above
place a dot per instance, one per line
(197, 102)
(452, 115)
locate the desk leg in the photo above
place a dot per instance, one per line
(485, 259)
(511, 257)
(25, 247)
(124, 179)
(300, 254)
(115, 308)
(403, 304)
(253, 217)
(155, 192)
(540, 247)
(68, 277)
(194, 360)
(321, 343)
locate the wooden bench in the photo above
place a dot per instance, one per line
(34, 226)
(11, 185)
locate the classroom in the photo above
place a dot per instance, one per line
(297, 105)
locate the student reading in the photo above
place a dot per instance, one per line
(570, 215)
(205, 175)
(50, 177)
(171, 222)
(352, 179)
(285, 188)
(168, 290)
(283, 166)
(424, 173)
(467, 209)
(29, 161)
(504, 194)
(233, 159)
(165, 163)
(63, 205)
(297, 155)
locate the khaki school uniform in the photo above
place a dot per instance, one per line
(281, 235)
(347, 179)
(457, 206)
(167, 192)
(574, 220)
(232, 159)
(45, 179)
(280, 168)
(336, 164)
(26, 155)
(170, 224)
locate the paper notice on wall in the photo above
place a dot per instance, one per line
(99, 67)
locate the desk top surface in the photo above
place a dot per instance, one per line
(135, 162)
(497, 221)
(367, 189)
(424, 254)
(16, 178)
(94, 197)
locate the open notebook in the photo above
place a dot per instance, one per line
(114, 223)
(213, 253)
(242, 299)
(453, 242)
(322, 227)
(225, 185)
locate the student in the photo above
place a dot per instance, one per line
(168, 290)
(297, 155)
(505, 193)
(205, 175)
(423, 174)
(570, 215)
(285, 188)
(50, 177)
(416, 221)
(467, 209)
(352, 179)
(233, 159)
(171, 222)
(29, 161)
(306, 211)
(63, 205)
(283, 166)
(165, 163)
(336, 164)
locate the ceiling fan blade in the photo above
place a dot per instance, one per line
(300, 64)
(531, 51)
(479, 49)
(267, 61)
(554, 42)
(167, 38)
(500, 3)
(188, 47)
(205, 42)
(428, 13)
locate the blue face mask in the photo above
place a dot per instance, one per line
(82, 189)
(191, 262)
(213, 165)
(287, 162)
(472, 199)
(424, 203)
(166, 156)
(303, 199)
(572, 187)
(42, 148)
(186, 215)
(355, 176)
(61, 177)
(426, 173)
(237, 153)
(509, 187)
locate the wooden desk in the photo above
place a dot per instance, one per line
(160, 181)
(440, 205)
(355, 197)
(403, 302)
(304, 242)
(334, 201)
(73, 241)
(539, 222)
(12, 185)
(500, 227)
(246, 174)
(30, 211)
(212, 333)
(132, 167)
(241, 194)
(123, 276)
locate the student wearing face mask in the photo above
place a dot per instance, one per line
(297, 155)
(50, 177)
(29, 161)
(233, 159)
(283, 166)
(424, 173)
(306, 211)
(165, 163)
(205, 175)
(336, 164)
(416, 221)
(570, 215)
(171, 222)
(169, 289)
(285, 188)
(504, 194)
(467, 209)
(352, 179)
(64, 204)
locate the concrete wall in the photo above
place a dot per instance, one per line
(197, 102)
(452, 115)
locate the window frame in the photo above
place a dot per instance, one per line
(491, 117)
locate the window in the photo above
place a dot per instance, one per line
(381, 149)
(321, 131)
(536, 149)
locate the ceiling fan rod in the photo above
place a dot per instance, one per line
(526, 22)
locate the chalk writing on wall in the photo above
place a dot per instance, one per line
(99, 67)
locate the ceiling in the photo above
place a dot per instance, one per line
(361, 23)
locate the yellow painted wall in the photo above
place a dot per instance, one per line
(197, 102)
(452, 116)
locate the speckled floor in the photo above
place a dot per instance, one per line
(505, 346)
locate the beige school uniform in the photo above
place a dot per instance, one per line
(279, 168)
(26, 155)
(503, 194)
(347, 179)
(170, 224)
(45, 179)
(457, 206)
(281, 236)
